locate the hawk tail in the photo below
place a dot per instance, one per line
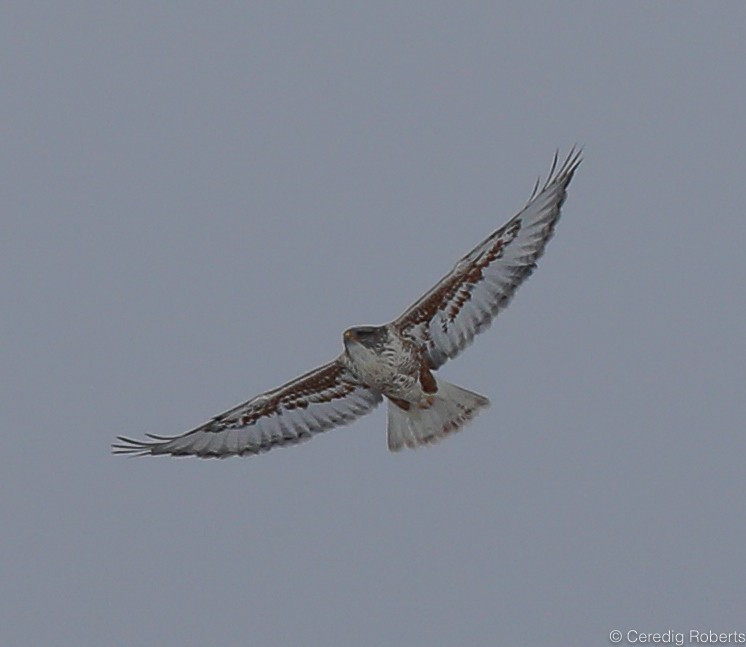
(450, 409)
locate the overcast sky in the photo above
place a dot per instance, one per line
(198, 198)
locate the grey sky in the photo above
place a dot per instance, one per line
(198, 199)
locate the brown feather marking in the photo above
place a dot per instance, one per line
(429, 385)
(316, 388)
(457, 288)
(462, 292)
(402, 404)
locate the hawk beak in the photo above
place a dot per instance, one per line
(350, 335)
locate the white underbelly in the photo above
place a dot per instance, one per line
(385, 374)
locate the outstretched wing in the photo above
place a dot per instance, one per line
(466, 301)
(324, 398)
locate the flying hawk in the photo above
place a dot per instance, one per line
(395, 361)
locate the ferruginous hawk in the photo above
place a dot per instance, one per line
(395, 361)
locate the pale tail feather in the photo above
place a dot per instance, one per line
(451, 409)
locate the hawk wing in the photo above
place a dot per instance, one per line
(324, 398)
(464, 302)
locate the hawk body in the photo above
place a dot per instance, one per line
(383, 359)
(396, 361)
(422, 408)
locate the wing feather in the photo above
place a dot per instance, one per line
(317, 401)
(464, 302)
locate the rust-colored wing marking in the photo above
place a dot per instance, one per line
(464, 302)
(319, 400)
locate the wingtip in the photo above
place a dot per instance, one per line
(131, 447)
(572, 161)
(559, 173)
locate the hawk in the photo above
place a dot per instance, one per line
(396, 361)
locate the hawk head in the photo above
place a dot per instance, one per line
(371, 337)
